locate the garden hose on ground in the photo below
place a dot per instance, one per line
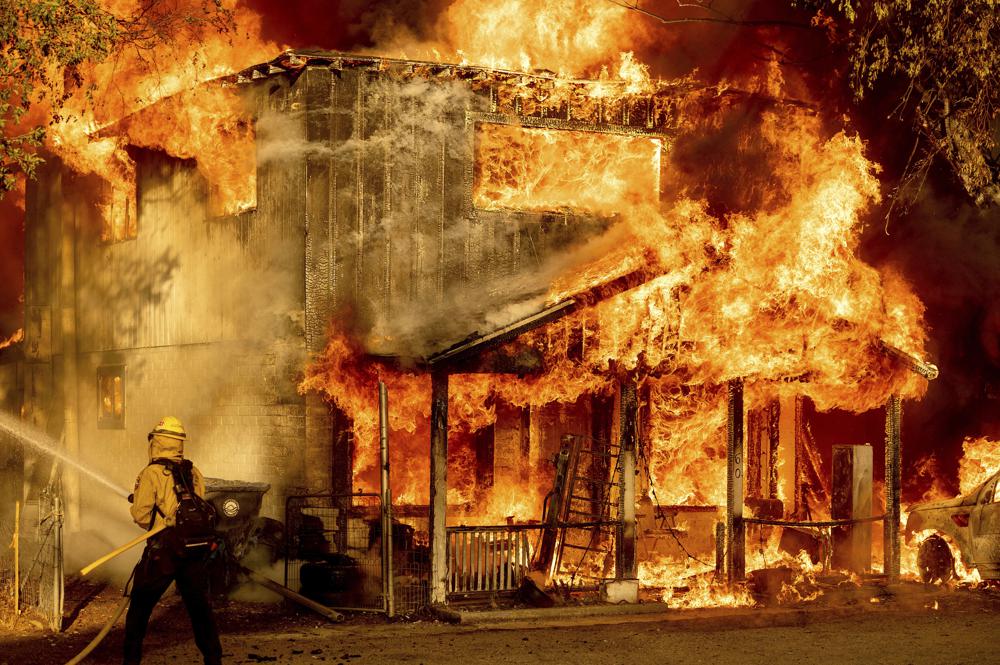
(78, 658)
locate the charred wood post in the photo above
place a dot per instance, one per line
(890, 525)
(386, 491)
(735, 529)
(757, 470)
(524, 432)
(773, 446)
(439, 487)
(720, 550)
(342, 469)
(799, 457)
(483, 448)
(342, 463)
(625, 550)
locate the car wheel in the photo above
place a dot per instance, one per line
(935, 560)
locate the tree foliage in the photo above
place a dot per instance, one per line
(41, 43)
(45, 45)
(945, 56)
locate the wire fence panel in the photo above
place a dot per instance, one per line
(7, 612)
(334, 551)
(40, 582)
(335, 554)
(411, 562)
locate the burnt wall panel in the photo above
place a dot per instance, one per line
(318, 87)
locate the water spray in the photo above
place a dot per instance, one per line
(48, 446)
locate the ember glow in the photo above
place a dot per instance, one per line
(544, 169)
(980, 460)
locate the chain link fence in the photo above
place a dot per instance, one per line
(34, 585)
(335, 554)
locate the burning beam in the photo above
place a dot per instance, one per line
(925, 369)
(476, 345)
(464, 349)
(893, 478)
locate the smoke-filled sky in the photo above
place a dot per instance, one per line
(949, 250)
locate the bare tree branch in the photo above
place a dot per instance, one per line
(719, 18)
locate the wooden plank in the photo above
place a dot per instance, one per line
(439, 487)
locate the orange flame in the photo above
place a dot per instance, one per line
(526, 34)
(16, 337)
(980, 460)
(776, 297)
(92, 132)
(544, 169)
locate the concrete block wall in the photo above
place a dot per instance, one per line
(241, 419)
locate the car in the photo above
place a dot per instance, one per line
(971, 521)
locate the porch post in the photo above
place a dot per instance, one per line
(890, 525)
(626, 564)
(439, 486)
(735, 529)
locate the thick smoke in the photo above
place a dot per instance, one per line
(950, 251)
(347, 25)
(434, 321)
(425, 116)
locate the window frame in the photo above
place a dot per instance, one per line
(105, 420)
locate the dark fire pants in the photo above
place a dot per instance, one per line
(154, 573)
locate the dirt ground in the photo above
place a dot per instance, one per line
(909, 625)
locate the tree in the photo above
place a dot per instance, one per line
(46, 47)
(941, 58)
(944, 56)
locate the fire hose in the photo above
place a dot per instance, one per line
(124, 548)
(78, 658)
(256, 577)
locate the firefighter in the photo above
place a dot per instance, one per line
(163, 561)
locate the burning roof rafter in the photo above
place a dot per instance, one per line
(547, 89)
(455, 355)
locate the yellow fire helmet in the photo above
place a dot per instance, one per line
(170, 427)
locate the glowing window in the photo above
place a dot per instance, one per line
(111, 397)
(528, 169)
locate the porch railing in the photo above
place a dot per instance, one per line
(489, 559)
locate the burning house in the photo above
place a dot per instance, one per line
(599, 307)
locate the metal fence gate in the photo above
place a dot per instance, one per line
(37, 575)
(335, 555)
